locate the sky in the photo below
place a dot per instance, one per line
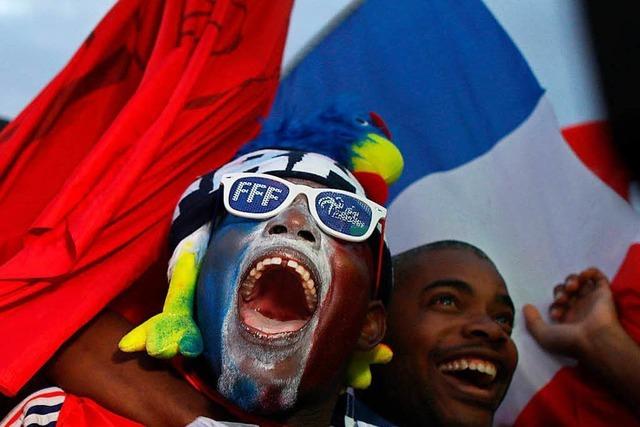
(39, 36)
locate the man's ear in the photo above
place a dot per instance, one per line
(374, 327)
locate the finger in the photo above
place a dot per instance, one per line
(161, 348)
(561, 297)
(535, 324)
(600, 279)
(166, 352)
(162, 341)
(591, 279)
(593, 273)
(571, 283)
(558, 289)
(134, 340)
(557, 311)
(191, 345)
(597, 276)
(603, 283)
(381, 354)
(586, 287)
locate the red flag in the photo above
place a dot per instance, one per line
(90, 171)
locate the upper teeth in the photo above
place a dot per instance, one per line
(308, 285)
(474, 364)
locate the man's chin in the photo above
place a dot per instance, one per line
(456, 413)
(468, 390)
(260, 389)
(262, 373)
(461, 407)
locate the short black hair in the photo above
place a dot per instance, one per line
(403, 257)
(439, 245)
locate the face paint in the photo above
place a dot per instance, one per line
(280, 305)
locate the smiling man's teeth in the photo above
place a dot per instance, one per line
(310, 291)
(479, 365)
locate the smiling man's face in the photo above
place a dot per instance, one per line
(281, 306)
(449, 325)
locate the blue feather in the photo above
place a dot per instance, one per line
(332, 132)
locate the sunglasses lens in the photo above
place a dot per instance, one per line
(343, 213)
(257, 195)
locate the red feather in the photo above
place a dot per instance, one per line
(374, 185)
(380, 124)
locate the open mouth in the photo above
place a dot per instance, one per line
(277, 296)
(470, 372)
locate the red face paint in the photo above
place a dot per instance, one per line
(281, 305)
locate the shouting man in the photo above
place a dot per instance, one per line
(286, 292)
(277, 276)
(287, 283)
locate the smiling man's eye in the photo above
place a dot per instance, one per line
(444, 300)
(505, 320)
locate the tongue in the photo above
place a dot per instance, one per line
(256, 320)
(472, 377)
(280, 296)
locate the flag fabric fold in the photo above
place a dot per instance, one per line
(159, 93)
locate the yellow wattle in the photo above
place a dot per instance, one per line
(358, 369)
(378, 155)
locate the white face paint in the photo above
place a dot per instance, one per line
(259, 372)
(276, 297)
(275, 368)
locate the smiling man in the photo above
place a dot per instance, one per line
(449, 323)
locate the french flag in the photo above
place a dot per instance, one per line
(488, 162)
(41, 408)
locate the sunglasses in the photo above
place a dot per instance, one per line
(338, 213)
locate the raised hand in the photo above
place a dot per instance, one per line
(586, 327)
(582, 308)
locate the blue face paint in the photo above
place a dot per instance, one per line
(268, 374)
(245, 393)
(218, 279)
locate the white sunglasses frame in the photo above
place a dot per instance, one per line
(378, 213)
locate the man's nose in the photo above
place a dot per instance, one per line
(295, 222)
(486, 328)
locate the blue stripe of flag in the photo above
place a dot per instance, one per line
(43, 409)
(443, 74)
